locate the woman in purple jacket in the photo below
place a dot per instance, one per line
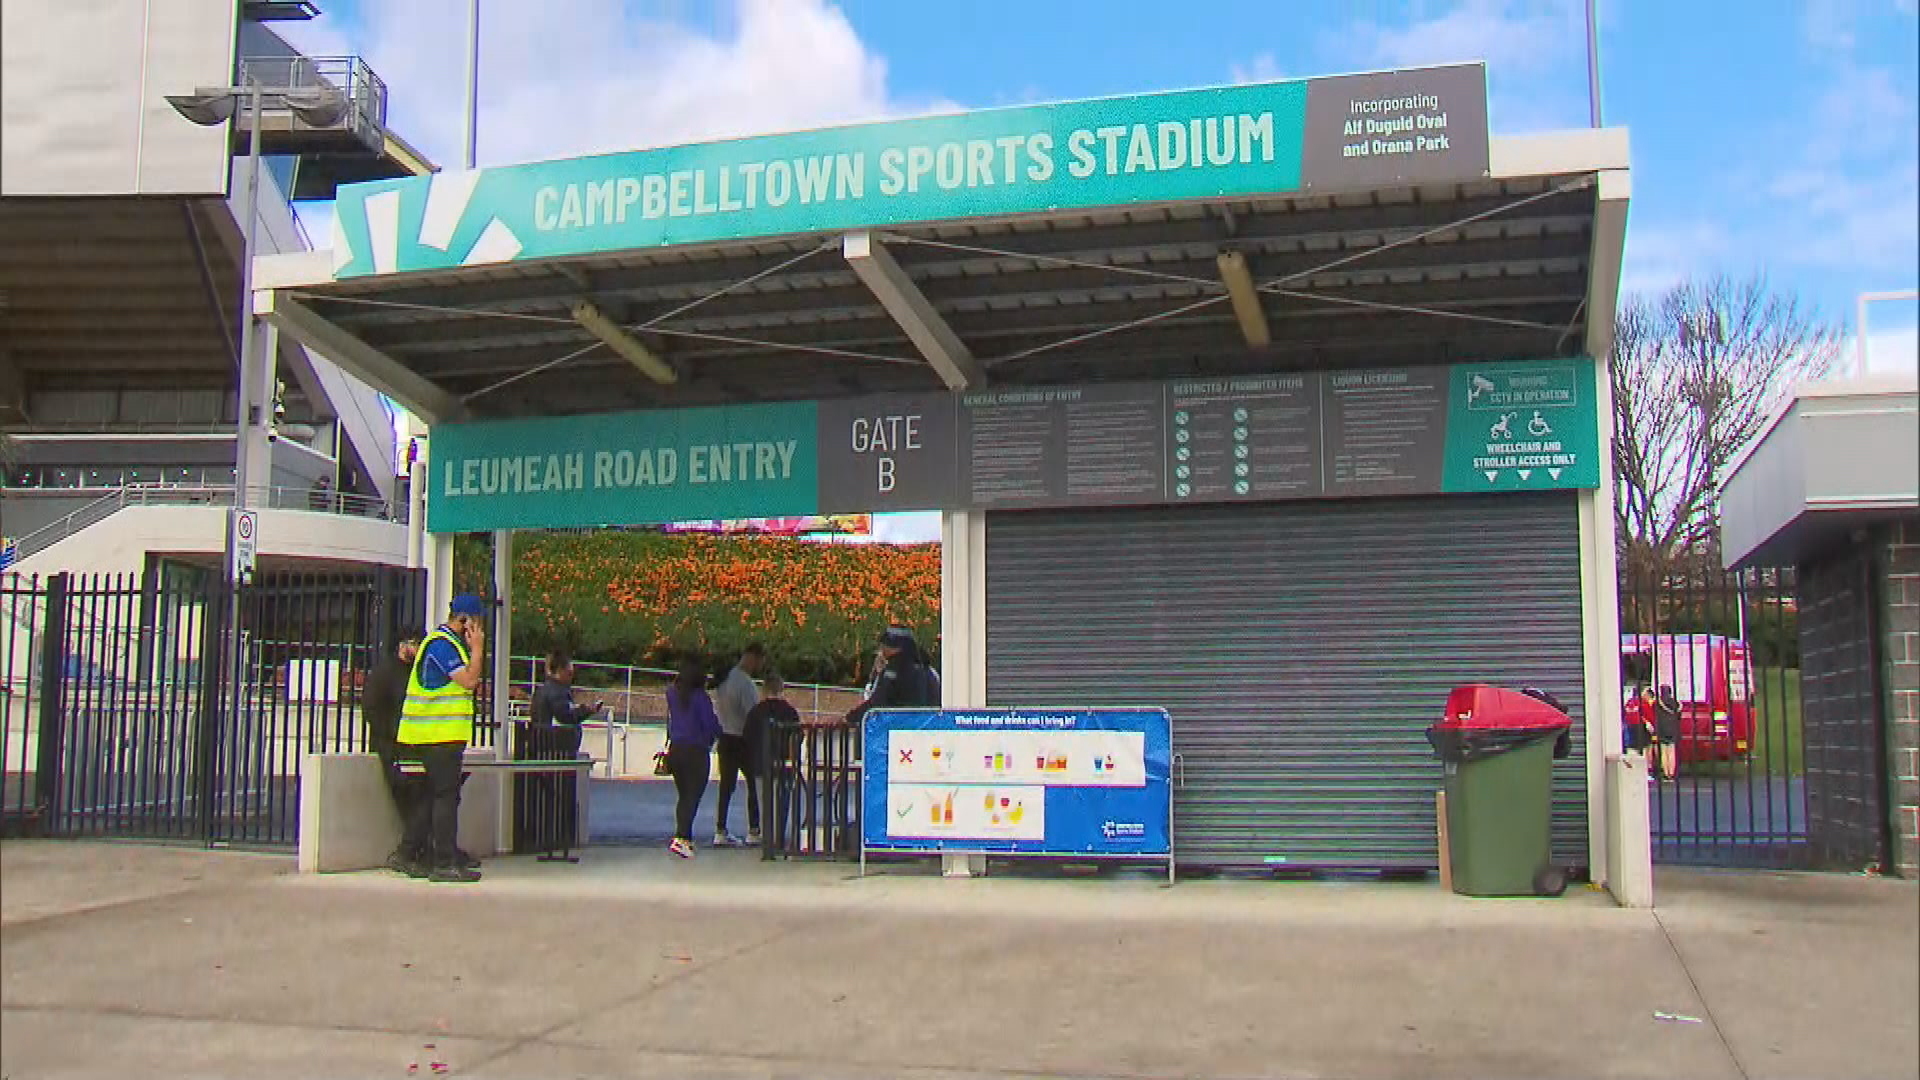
(692, 728)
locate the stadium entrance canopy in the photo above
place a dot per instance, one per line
(1285, 355)
(1361, 220)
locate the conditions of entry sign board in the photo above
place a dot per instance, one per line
(1464, 429)
(1352, 132)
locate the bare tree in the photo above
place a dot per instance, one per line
(1696, 372)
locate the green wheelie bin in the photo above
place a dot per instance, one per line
(1497, 747)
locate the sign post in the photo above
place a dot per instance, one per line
(1091, 783)
(245, 528)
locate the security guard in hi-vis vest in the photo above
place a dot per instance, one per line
(436, 724)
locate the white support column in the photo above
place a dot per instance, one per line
(417, 516)
(439, 578)
(500, 640)
(1619, 848)
(500, 634)
(259, 451)
(963, 634)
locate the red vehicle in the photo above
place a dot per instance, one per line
(1712, 678)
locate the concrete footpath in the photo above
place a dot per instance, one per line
(122, 960)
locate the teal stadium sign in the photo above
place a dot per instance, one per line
(1342, 133)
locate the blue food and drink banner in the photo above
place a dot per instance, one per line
(1019, 781)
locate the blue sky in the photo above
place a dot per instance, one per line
(1773, 136)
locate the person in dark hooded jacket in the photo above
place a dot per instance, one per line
(905, 682)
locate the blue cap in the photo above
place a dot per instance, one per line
(468, 604)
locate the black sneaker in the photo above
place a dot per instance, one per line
(458, 874)
(461, 858)
(399, 863)
(418, 870)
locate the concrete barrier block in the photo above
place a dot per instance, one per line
(348, 822)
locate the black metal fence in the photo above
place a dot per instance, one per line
(811, 808)
(127, 713)
(1728, 759)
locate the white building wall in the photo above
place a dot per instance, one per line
(121, 543)
(83, 105)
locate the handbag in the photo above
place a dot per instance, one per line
(660, 766)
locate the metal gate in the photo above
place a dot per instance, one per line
(126, 715)
(1729, 647)
(1302, 649)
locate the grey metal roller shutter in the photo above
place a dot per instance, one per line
(1302, 649)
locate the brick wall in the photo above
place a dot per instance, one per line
(1839, 706)
(1900, 678)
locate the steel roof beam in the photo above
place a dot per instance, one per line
(1565, 211)
(910, 308)
(357, 358)
(982, 317)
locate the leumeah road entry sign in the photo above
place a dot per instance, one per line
(1020, 781)
(1350, 132)
(1465, 429)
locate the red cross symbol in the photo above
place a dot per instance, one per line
(906, 757)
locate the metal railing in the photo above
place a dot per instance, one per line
(366, 92)
(1727, 749)
(636, 700)
(128, 712)
(811, 807)
(309, 500)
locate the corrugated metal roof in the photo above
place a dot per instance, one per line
(1361, 274)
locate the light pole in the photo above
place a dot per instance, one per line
(1860, 322)
(212, 107)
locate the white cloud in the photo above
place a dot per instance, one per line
(1659, 257)
(1848, 198)
(1892, 350)
(1535, 51)
(1829, 24)
(1262, 68)
(1834, 25)
(602, 79)
(906, 528)
(1893, 336)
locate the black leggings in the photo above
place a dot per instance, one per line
(690, 766)
(736, 760)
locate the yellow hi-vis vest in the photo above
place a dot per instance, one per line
(436, 716)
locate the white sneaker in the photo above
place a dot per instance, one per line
(724, 839)
(681, 848)
(753, 837)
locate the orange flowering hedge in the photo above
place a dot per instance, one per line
(647, 598)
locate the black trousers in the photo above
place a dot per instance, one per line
(738, 759)
(434, 828)
(690, 766)
(406, 791)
